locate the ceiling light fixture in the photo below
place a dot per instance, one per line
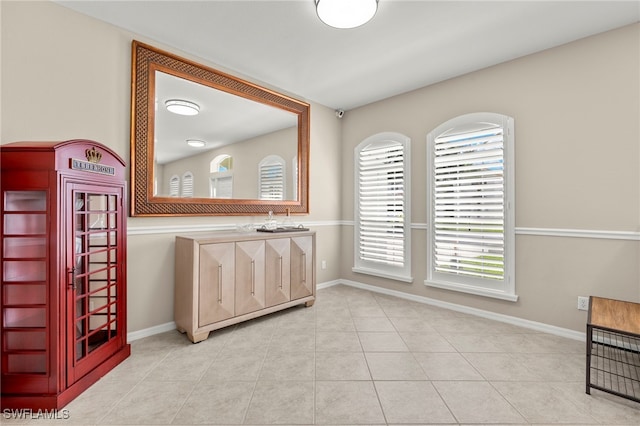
(346, 13)
(178, 106)
(196, 143)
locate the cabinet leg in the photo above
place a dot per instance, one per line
(181, 330)
(310, 303)
(198, 337)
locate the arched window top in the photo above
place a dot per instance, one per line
(221, 163)
(271, 159)
(469, 124)
(382, 141)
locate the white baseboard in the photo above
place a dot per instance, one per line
(156, 329)
(538, 326)
(162, 328)
(328, 284)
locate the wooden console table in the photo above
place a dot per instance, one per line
(222, 278)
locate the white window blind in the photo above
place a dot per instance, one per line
(174, 186)
(382, 219)
(222, 186)
(471, 229)
(381, 193)
(221, 176)
(271, 179)
(187, 184)
(469, 204)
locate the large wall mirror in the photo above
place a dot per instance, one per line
(204, 142)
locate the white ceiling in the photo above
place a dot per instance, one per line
(407, 45)
(223, 119)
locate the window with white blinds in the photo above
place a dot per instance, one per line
(174, 186)
(382, 213)
(221, 177)
(471, 230)
(221, 185)
(271, 176)
(187, 184)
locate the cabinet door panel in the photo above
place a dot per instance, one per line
(301, 267)
(95, 246)
(250, 294)
(217, 297)
(278, 271)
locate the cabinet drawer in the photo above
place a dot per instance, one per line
(302, 267)
(216, 278)
(249, 276)
(277, 271)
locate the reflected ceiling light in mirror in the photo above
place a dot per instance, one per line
(179, 106)
(346, 13)
(196, 143)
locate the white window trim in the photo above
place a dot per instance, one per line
(503, 289)
(385, 271)
(214, 165)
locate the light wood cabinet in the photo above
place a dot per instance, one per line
(250, 283)
(217, 288)
(278, 270)
(223, 278)
(302, 267)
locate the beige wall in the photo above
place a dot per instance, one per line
(576, 112)
(67, 76)
(577, 147)
(246, 158)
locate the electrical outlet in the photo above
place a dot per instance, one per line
(323, 264)
(583, 303)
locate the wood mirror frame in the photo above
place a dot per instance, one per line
(146, 60)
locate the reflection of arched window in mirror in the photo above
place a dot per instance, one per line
(187, 184)
(221, 177)
(271, 178)
(174, 186)
(294, 180)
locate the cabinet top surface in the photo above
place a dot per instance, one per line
(70, 147)
(222, 236)
(615, 314)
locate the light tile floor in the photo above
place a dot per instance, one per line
(355, 357)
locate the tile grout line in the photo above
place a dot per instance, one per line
(315, 361)
(204, 372)
(255, 385)
(115, 404)
(366, 360)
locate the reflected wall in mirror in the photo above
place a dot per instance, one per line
(244, 150)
